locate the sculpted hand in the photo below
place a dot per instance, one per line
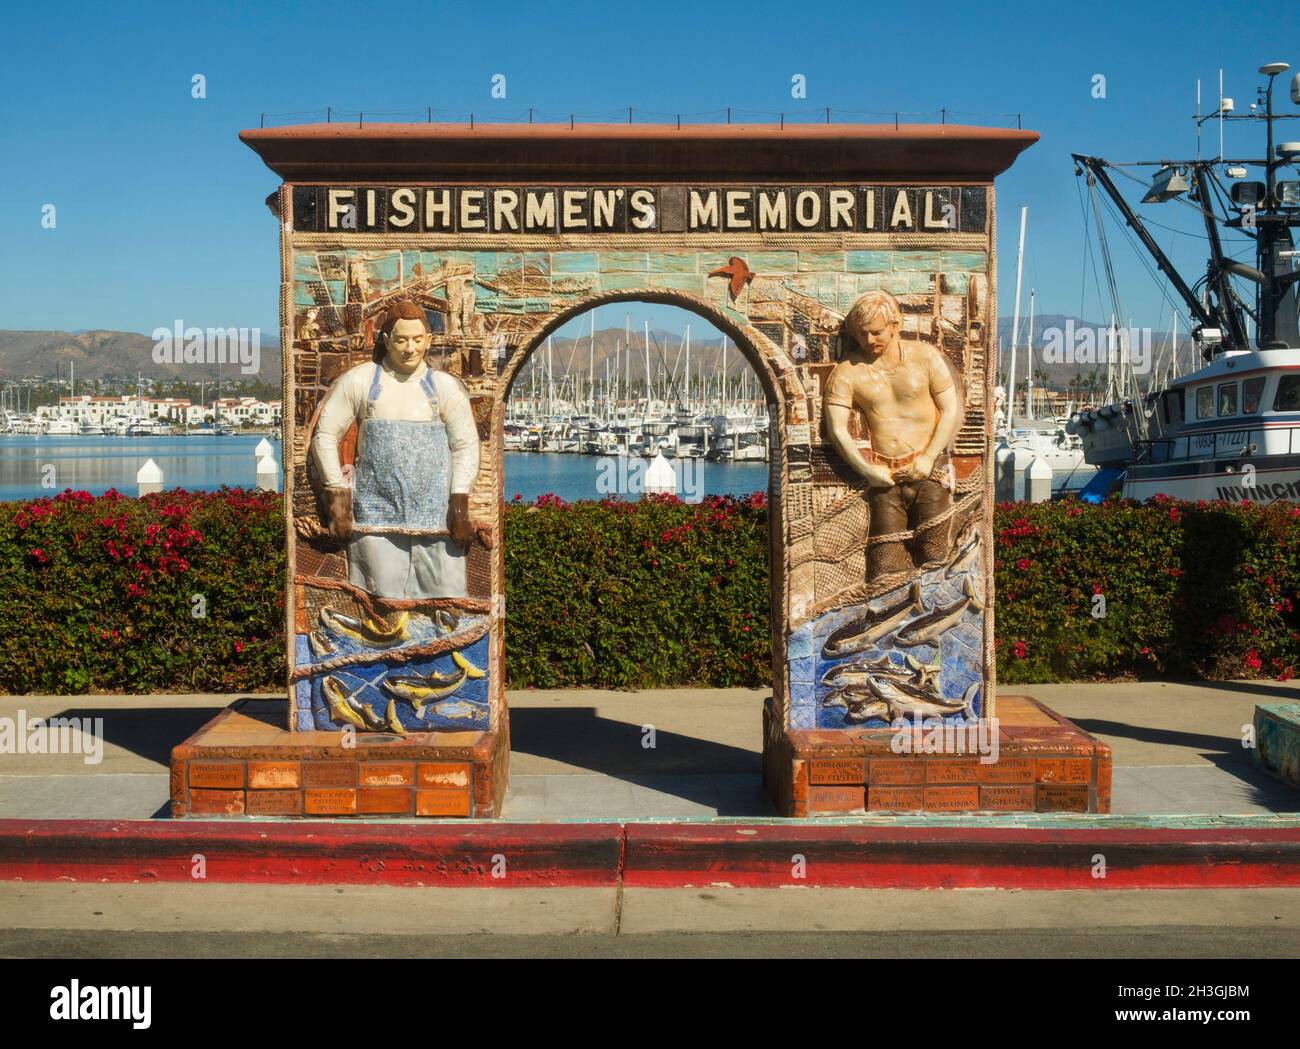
(338, 504)
(458, 522)
(877, 476)
(919, 469)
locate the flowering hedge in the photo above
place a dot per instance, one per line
(179, 591)
(182, 591)
(637, 594)
(1162, 589)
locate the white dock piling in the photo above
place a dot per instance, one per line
(268, 473)
(661, 477)
(149, 478)
(1038, 481)
(1004, 474)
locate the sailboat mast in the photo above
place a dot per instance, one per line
(1029, 361)
(1015, 322)
(688, 368)
(645, 345)
(591, 365)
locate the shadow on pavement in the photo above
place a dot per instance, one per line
(680, 765)
(150, 732)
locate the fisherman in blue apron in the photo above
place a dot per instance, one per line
(405, 516)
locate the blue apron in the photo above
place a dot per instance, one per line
(401, 476)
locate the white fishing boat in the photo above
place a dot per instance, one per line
(60, 427)
(1229, 430)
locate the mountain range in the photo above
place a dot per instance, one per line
(119, 355)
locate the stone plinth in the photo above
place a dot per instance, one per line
(245, 762)
(1044, 763)
(1277, 740)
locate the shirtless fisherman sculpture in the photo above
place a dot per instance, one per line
(907, 392)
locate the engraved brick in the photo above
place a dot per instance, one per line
(837, 798)
(225, 775)
(1103, 778)
(1049, 770)
(1008, 770)
(952, 770)
(1056, 797)
(216, 802)
(387, 774)
(385, 800)
(339, 802)
(444, 775)
(329, 774)
(275, 802)
(442, 803)
(951, 799)
(837, 770)
(1007, 799)
(899, 770)
(893, 799)
(1076, 770)
(273, 775)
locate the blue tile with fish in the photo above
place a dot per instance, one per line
(464, 709)
(949, 667)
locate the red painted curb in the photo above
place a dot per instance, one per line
(512, 855)
(960, 857)
(468, 855)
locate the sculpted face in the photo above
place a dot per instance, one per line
(876, 335)
(407, 344)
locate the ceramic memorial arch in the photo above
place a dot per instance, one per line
(854, 266)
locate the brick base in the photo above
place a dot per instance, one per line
(244, 762)
(1045, 764)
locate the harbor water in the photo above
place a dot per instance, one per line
(35, 466)
(32, 467)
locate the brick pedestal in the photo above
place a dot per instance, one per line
(1045, 763)
(1277, 740)
(245, 762)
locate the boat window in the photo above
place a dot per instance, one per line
(1228, 398)
(1288, 394)
(1172, 400)
(1205, 402)
(1252, 393)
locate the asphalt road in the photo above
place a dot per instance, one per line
(1166, 942)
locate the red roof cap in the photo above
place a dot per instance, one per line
(631, 152)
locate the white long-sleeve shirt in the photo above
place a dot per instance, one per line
(400, 397)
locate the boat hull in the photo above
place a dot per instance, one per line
(1275, 477)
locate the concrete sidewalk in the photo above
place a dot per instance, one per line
(214, 920)
(587, 754)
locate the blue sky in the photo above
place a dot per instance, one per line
(159, 206)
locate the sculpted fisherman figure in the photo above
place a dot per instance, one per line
(405, 518)
(907, 392)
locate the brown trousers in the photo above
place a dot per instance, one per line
(907, 507)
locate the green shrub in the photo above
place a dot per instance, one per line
(177, 591)
(99, 594)
(637, 594)
(1162, 589)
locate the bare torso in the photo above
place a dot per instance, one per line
(898, 397)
